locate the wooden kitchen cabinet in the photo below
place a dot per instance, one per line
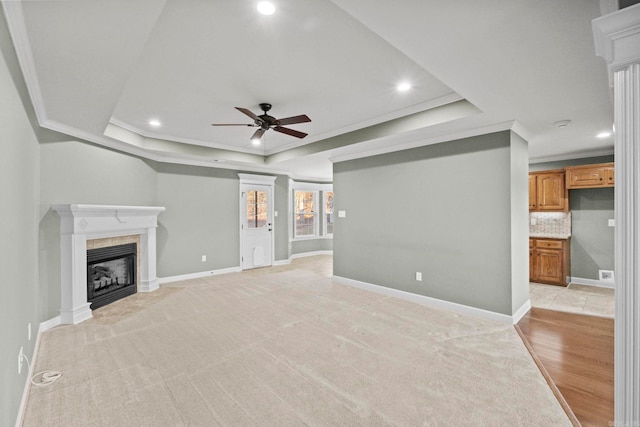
(547, 191)
(549, 261)
(590, 176)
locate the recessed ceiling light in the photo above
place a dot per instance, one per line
(266, 8)
(255, 141)
(403, 87)
(155, 123)
(603, 135)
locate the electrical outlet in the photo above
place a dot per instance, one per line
(418, 276)
(606, 276)
(29, 331)
(204, 258)
(534, 221)
(611, 222)
(20, 356)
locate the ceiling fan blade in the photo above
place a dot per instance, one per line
(258, 134)
(231, 124)
(291, 132)
(248, 113)
(293, 120)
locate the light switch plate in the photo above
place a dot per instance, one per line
(612, 223)
(342, 214)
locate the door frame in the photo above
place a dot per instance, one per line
(265, 180)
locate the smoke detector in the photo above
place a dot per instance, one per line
(562, 123)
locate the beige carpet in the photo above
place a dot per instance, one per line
(286, 346)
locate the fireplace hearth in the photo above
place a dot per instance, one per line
(111, 274)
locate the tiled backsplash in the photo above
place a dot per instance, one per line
(550, 223)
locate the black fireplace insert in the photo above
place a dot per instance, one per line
(111, 274)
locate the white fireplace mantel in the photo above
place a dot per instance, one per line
(79, 223)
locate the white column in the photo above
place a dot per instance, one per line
(617, 37)
(73, 276)
(148, 280)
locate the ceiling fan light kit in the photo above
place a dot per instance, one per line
(265, 122)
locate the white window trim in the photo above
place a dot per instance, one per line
(324, 215)
(318, 209)
(316, 229)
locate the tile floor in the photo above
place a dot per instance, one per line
(574, 298)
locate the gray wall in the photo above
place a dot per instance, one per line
(281, 222)
(202, 218)
(77, 172)
(311, 245)
(519, 221)
(592, 240)
(445, 210)
(19, 175)
(202, 215)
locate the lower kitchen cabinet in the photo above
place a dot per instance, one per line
(549, 261)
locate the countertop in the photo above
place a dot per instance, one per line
(549, 236)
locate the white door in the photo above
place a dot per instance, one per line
(256, 225)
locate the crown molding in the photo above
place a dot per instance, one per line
(571, 156)
(18, 30)
(617, 37)
(151, 135)
(424, 106)
(414, 140)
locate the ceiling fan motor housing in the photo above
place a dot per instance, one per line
(265, 106)
(266, 121)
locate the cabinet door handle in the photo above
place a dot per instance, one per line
(600, 179)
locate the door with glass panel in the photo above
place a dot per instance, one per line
(256, 225)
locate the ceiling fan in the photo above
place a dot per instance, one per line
(266, 122)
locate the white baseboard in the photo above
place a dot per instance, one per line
(237, 269)
(519, 314)
(591, 282)
(200, 274)
(437, 303)
(48, 324)
(302, 255)
(43, 327)
(314, 253)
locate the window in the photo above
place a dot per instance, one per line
(328, 213)
(256, 209)
(310, 210)
(305, 214)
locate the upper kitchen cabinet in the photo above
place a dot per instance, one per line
(590, 176)
(547, 191)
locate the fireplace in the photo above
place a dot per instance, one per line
(81, 227)
(111, 274)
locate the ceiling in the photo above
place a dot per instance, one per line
(100, 70)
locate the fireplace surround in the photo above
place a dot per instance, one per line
(80, 223)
